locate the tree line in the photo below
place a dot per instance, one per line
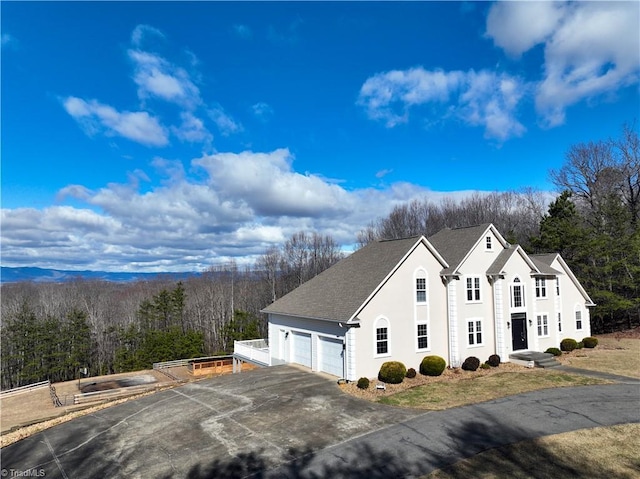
(51, 330)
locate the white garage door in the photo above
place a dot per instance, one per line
(302, 349)
(331, 356)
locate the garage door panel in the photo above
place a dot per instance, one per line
(332, 356)
(302, 349)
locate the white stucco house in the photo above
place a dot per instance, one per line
(462, 292)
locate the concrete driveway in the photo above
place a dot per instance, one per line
(284, 422)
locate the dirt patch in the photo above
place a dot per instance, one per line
(118, 383)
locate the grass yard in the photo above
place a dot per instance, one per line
(438, 395)
(602, 452)
(612, 355)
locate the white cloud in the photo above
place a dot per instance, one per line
(481, 98)
(262, 111)
(141, 31)
(518, 26)
(224, 122)
(192, 129)
(156, 77)
(232, 205)
(266, 185)
(591, 49)
(138, 126)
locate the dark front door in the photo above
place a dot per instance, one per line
(519, 331)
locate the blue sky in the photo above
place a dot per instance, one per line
(154, 136)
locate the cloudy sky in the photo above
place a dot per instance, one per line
(173, 136)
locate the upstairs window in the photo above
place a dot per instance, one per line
(421, 290)
(488, 242)
(517, 294)
(473, 289)
(541, 288)
(557, 286)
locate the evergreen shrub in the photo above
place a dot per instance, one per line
(568, 344)
(494, 361)
(363, 383)
(471, 363)
(432, 366)
(392, 372)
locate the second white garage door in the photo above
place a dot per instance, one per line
(331, 356)
(302, 349)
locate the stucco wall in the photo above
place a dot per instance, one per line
(396, 303)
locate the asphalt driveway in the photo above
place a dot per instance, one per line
(284, 422)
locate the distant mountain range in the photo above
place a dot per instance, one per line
(41, 275)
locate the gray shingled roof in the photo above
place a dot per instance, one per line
(454, 244)
(337, 293)
(543, 263)
(497, 266)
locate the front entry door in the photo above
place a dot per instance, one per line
(519, 331)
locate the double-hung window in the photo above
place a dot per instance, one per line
(578, 319)
(488, 242)
(474, 330)
(421, 290)
(473, 288)
(423, 336)
(382, 337)
(541, 288)
(559, 322)
(543, 325)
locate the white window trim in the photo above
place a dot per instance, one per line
(420, 274)
(519, 284)
(540, 317)
(559, 322)
(381, 322)
(576, 310)
(557, 286)
(475, 333)
(473, 289)
(540, 285)
(488, 243)
(428, 348)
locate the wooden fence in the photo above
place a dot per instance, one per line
(23, 389)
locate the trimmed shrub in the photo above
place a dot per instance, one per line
(494, 361)
(471, 363)
(554, 351)
(392, 372)
(590, 342)
(363, 383)
(411, 373)
(568, 344)
(432, 366)
(486, 366)
(580, 345)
